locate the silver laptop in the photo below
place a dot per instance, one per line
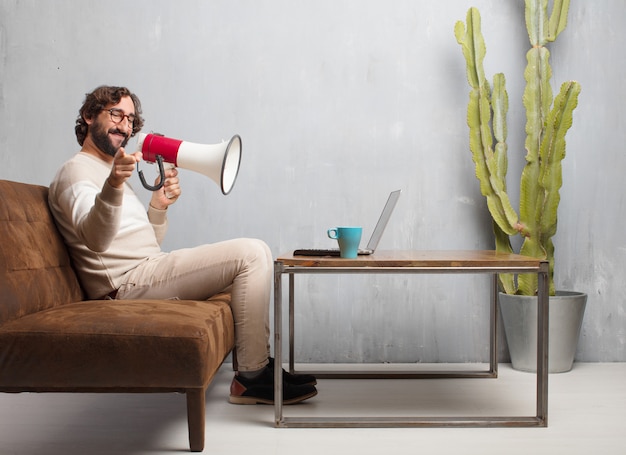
(392, 200)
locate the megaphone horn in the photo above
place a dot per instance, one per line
(220, 162)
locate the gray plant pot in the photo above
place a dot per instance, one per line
(519, 314)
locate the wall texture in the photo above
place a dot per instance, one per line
(338, 103)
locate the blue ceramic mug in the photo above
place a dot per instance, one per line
(349, 238)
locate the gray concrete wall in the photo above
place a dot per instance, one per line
(338, 103)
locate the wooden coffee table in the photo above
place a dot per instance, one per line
(420, 262)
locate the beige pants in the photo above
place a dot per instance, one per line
(200, 272)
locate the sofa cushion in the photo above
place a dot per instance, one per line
(35, 269)
(117, 343)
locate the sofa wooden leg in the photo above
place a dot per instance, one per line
(195, 418)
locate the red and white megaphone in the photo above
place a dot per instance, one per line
(219, 162)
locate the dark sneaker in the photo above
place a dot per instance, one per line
(295, 379)
(260, 390)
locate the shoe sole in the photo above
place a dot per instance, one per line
(257, 400)
(313, 383)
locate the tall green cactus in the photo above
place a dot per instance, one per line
(547, 122)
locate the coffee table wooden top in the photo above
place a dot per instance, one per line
(416, 258)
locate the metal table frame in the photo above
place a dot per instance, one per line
(517, 264)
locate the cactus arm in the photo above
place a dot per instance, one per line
(479, 118)
(553, 148)
(493, 174)
(536, 22)
(473, 47)
(558, 19)
(553, 152)
(500, 106)
(549, 181)
(537, 98)
(540, 28)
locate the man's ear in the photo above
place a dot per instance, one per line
(88, 120)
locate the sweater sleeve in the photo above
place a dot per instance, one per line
(158, 219)
(96, 215)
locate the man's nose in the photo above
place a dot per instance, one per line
(124, 126)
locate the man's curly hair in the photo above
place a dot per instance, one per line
(100, 98)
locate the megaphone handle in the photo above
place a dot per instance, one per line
(158, 186)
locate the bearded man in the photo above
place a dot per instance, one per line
(115, 243)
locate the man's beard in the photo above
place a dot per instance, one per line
(101, 138)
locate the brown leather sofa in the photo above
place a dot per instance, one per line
(52, 340)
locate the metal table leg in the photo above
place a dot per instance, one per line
(278, 349)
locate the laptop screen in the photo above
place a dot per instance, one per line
(383, 220)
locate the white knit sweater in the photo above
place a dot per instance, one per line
(107, 230)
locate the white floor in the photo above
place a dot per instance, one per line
(587, 414)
